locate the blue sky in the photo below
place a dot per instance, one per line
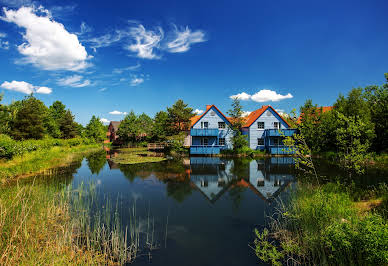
(98, 57)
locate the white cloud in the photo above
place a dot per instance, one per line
(107, 39)
(246, 113)
(130, 68)
(145, 41)
(25, 87)
(269, 96)
(115, 112)
(102, 89)
(136, 81)
(3, 44)
(74, 81)
(262, 96)
(198, 112)
(48, 44)
(104, 120)
(183, 38)
(241, 96)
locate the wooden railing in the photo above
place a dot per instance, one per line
(156, 146)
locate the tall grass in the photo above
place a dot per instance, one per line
(322, 225)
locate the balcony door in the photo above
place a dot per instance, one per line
(204, 141)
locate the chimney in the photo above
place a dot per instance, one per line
(208, 106)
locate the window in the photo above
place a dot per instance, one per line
(204, 124)
(221, 141)
(276, 125)
(204, 141)
(260, 141)
(221, 124)
(260, 125)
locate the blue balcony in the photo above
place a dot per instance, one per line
(205, 149)
(279, 133)
(279, 150)
(204, 132)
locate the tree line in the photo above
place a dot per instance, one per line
(30, 118)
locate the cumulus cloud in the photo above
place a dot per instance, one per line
(48, 45)
(104, 121)
(262, 96)
(115, 112)
(136, 81)
(24, 87)
(183, 38)
(145, 41)
(246, 113)
(198, 112)
(74, 81)
(241, 96)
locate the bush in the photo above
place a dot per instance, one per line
(10, 148)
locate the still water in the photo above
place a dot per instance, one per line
(203, 210)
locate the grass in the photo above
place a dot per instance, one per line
(41, 161)
(324, 225)
(136, 156)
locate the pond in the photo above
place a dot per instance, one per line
(194, 211)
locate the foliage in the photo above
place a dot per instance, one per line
(160, 129)
(266, 250)
(95, 129)
(179, 116)
(67, 126)
(28, 123)
(239, 141)
(96, 161)
(136, 156)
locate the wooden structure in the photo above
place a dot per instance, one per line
(156, 146)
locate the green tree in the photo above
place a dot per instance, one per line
(28, 123)
(160, 127)
(145, 124)
(239, 141)
(55, 114)
(129, 128)
(179, 116)
(67, 125)
(95, 129)
(4, 117)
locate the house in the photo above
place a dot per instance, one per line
(265, 130)
(211, 132)
(112, 130)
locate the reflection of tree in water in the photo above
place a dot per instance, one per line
(179, 190)
(236, 194)
(96, 161)
(240, 168)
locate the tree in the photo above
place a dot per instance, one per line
(95, 129)
(4, 117)
(55, 114)
(28, 123)
(144, 123)
(239, 141)
(160, 126)
(67, 125)
(179, 116)
(129, 128)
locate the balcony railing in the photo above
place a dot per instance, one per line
(205, 149)
(204, 132)
(280, 132)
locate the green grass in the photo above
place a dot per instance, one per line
(40, 161)
(323, 225)
(136, 156)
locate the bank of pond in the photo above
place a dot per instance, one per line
(103, 209)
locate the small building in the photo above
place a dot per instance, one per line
(211, 132)
(112, 131)
(265, 130)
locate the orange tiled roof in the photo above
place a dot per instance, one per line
(252, 117)
(324, 110)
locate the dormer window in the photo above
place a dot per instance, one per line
(276, 125)
(221, 124)
(204, 124)
(260, 125)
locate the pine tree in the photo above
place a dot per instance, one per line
(67, 125)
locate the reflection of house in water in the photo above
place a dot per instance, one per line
(269, 177)
(213, 176)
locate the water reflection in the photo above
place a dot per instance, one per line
(265, 177)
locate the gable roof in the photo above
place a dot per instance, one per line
(252, 117)
(208, 107)
(115, 125)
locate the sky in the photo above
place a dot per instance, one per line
(106, 58)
